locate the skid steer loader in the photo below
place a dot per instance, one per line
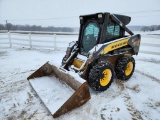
(102, 52)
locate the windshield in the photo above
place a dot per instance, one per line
(90, 36)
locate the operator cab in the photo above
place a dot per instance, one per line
(98, 29)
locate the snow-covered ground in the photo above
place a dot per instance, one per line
(138, 98)
(157, 32)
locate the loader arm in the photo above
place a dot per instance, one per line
(114, 18)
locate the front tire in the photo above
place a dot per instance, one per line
(125, 67)
(101, 76)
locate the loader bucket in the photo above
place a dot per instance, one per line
(57, 97)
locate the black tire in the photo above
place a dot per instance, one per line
(97, 76)
(124, 64)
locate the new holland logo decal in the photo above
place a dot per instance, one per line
(115, 45)
(119, 45)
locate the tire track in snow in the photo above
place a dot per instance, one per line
(13, 107)
(149, 60)
(150, 52)
(136, 115)
(13, 87)
(149, 76)
(22, 72)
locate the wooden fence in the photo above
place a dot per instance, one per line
(10, 37)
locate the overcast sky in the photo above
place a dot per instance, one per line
(43, 12)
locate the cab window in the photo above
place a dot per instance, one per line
(113, 31)
(90, 35)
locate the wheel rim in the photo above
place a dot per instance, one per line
(107, 77)
(129, 68)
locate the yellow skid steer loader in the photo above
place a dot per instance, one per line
(102, 52)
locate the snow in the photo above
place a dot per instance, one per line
(150, 49)
(52, 92)
(156, 32)
(137, 98)
(118, 110)
(147, 98)
(145, 67)
(71, 73)
(76, 77)
(81, 57)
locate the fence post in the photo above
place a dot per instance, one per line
(9, 37)
(30, 41)
(55, 47)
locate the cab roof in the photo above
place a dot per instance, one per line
(123, 18)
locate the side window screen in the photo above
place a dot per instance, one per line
(92, 29)
(90, 36)
(112, 31)
(117, 31)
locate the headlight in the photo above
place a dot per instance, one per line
(81, 18)
(99, 15)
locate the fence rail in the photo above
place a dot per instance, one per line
(35, 39)
(13, 39)
(39, 32)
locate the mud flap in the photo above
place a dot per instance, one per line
(57, 97)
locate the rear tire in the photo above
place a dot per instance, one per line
(101, 76)
(125, 67)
